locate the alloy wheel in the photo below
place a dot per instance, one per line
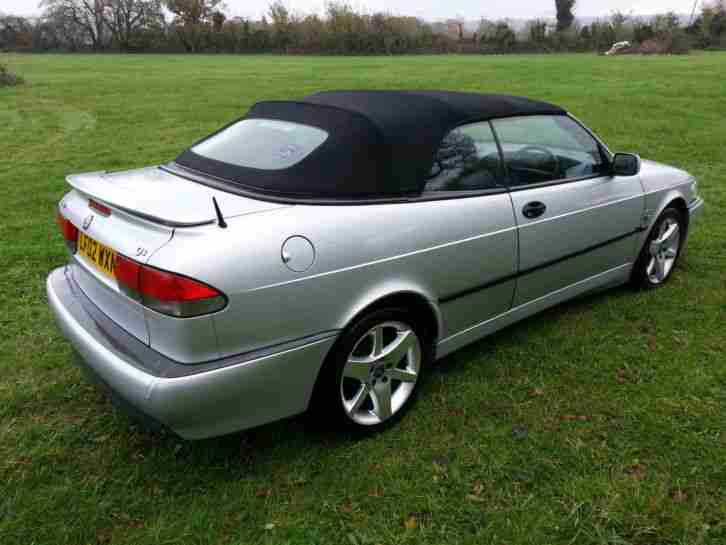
(380, 373)
(663, 251)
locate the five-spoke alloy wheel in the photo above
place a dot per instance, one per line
(662, 248)
(374, 371)
(381, 373)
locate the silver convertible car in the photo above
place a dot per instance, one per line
(321, 254)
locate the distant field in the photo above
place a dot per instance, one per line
(600, 422)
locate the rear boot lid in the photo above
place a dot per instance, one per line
(164, 198)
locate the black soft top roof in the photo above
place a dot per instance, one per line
(381, 144)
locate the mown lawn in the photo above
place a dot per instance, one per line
(601, 421)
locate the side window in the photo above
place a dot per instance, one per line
(467, 160)
(546, 148)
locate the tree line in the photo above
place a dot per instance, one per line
(201, 26)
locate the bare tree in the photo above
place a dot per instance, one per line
(124, 18)
(87, 15)
(193, 20)
(565, 17)
(218, 19)
(280, 17)
(15, 32)
(456, 27)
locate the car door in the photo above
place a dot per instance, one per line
(575, 220)
(467, 188)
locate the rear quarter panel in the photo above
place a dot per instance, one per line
(362, 253)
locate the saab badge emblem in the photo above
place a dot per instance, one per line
(87, 222)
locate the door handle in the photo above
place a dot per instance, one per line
(534, 209)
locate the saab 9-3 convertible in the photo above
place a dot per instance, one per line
(322, 253)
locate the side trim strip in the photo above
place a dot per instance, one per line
(512, 312)
(580, 252)
(474, 289)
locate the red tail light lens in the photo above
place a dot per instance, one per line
(68, 230)
(127, 274)
(166, 286)
(98, 207)
(166, 292)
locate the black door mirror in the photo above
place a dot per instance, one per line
(625, 164)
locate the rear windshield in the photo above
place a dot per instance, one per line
(263, 144)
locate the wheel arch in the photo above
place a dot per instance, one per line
(679, 202)
(430, 314)
(403, 297)
(670, 199)
(673, 198)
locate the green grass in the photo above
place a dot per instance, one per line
(601, 421)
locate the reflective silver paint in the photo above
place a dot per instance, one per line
(579, 215)
(371, 252)
(662, 185)
(125, 311)
(199, 405)
(147, 192)
(477, 263)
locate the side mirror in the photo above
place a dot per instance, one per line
(625, 164)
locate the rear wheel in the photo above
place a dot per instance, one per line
(661, 250)
(373, 374)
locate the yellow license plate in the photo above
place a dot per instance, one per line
(103, 257)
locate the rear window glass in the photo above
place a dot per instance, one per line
(264, 144)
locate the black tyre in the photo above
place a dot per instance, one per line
(660, 253)
(373, 374)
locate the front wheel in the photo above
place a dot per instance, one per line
(662, 248)
(374, 372)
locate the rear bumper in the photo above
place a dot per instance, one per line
(194, 401)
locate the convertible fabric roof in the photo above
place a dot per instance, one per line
(381, 144)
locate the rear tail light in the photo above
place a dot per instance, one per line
(99, 207)
(68, 230)
(166, 292)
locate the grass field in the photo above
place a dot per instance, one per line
(601, 421)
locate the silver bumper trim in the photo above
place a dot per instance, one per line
(211, 401)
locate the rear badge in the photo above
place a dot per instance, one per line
(87, 222)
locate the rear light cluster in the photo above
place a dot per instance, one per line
(69, 231)
(162, 291)
(98, 207)
(166, 292)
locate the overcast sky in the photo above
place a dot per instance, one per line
(433, 9)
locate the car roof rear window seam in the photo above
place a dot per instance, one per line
(238, 189)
